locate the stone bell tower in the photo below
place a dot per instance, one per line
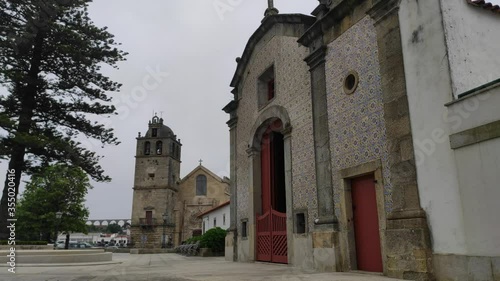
(157, 171)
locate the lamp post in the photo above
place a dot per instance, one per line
(163, 242)
(58, 220)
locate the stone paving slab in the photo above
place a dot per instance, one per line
(173, 267)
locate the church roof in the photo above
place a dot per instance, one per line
(207, 171)
(485, 5)
(213, 209)
(268, 23)
(162, 130)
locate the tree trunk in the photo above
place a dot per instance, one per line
(27, 97)
(66, 244)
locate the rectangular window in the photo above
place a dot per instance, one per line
(215, 222)
(244, 229)
(201, 185)
(270, 89)
(149, 217)
(155, 133)
(266, 87)
(223, 219)
(300, 223)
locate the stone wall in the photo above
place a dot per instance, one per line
(292, 94)
(292, 88)
(356, 121)
(189, 205)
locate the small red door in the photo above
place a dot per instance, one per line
(366, 228)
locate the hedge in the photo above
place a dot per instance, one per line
(214, 239)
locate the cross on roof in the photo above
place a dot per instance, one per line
(201, 161)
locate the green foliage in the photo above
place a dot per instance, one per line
(193, 240)
(214, 239)
(113, 228)
(94, 228)
(51, 55)
(56, 188)
(5, 242)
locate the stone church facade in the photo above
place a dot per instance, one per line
(162, 201)
(199, 191)
(326, 127)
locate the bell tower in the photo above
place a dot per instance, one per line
(157, 172)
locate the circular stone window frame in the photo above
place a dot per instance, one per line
(351, 90)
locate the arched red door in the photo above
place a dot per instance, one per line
(271, 223)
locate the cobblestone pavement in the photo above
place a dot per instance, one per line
(173, 267)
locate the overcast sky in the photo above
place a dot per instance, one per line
(181, 61)
(191, 47)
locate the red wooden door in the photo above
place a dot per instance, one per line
(366, 228)
(271, 225)
(266, 172)
(264, 241)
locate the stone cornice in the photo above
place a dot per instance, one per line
(383, 8)
(231, 107)
(232, 123)
(338, 11)
(287, 131)
(316, 58)
(252, 151)
(268, 23)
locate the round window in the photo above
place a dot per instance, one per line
(351, 82)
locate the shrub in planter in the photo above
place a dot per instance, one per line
(214, 239)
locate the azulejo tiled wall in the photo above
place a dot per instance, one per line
(292, 93)
(356, 121)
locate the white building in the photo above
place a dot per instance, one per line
(452, 71)
(216, 217)
(94, 237)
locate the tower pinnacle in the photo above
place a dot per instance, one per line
(271, 10)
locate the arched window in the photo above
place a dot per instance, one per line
(147, 148)
(159, 147)
(201, 185)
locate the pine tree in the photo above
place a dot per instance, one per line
(51, 54)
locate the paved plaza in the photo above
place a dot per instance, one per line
(173, 267)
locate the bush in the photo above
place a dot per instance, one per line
(5, 242)
(193, 240)
(214, 239)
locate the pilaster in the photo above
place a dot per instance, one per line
(326, 209)
(408, 247)
(231, 109)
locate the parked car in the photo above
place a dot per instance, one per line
(63, 244)
(84, 245)
(75, 245)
